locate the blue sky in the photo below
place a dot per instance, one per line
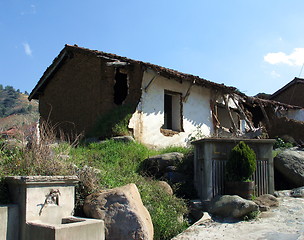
(256, 46)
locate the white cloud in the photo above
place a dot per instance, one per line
(274, 74)
(296, 58)
(27, 49)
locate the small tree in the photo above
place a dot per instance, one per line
(241, 163)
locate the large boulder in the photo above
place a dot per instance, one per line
(123, 212)
(157, 165)
(290, 163)
(228, 206)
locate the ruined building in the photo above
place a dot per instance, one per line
(83, 89)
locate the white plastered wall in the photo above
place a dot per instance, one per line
(296, 114)
(149, 117)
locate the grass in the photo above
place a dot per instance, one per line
(118, 164)
(113, 123)
(252, 216)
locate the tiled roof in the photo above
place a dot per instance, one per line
(294, 81)
(166, 72)
(161, 70)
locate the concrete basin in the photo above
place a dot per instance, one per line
(69, 228)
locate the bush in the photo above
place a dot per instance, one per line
(99, 166)
(280, 143)
(241, 163)
(120, 164)
(114, 123)
(39, 156)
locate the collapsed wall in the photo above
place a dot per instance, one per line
(277, 119)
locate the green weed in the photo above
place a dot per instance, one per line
(120, 164)
(117, 163)
(114, 123)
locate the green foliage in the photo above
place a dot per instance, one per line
(119, 164)
(280, 143)
(14, 102)
(15, 159)
(252, 215)
(166, 211)
(241, 163)
(196, 135)
(114, 123)
(176, 149)
(11, 156)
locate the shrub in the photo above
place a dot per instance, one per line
(241, 163)
(280, 143)
(41, 156)
(99, 165)
(114, 123)
(119, 164)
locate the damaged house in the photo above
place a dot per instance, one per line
(276, 118)
(84, 88)
(291, 93)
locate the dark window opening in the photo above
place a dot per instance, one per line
(168, 111)
(173, 111)
(256, 115)
(121, 87)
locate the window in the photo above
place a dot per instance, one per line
(173, 111)
(121, 87)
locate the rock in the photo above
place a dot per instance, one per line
(166, 187)
(205, 217)
(290, 163)
(156, 165)
(297, 192)
(123, 212)
(171, 169)
(228, 206)
(266, 201)
(175, 177)
(196, 209)
(283, 193)
(125, 139)
(91, 140)
(263, 208)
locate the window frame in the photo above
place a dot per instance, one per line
(176, 100)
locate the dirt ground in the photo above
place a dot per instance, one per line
(285, 222)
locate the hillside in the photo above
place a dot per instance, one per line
(15, 109)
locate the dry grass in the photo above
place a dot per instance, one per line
(35, 154)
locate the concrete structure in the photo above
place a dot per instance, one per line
(168, 107)
(46, 205)
(71, 228)
(9, 224)
(211, 155)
